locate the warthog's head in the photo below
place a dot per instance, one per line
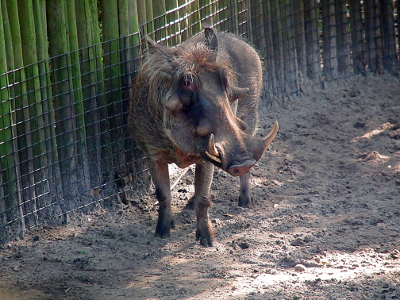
(197, 87)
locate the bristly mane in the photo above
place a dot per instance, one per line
(197, 57)
(161, 69)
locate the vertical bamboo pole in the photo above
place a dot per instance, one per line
(10, 203)
(172, 19)
(6, 148)
(129, 29)
(12, 180)
(131, 63)
(206, 12)
(150, 19)
(311, 39)
(222, 23)
(258, 22)
(106, 151)
(112, 80)
(8, 40)
(143, 27)
(125, 43)
(82, 166)
(397, 6)
(372, 35)
(141, 8)
(63, 98)
(272, 78)
(233, 9)
(248, 20)
(299, 36)
(357, 37)
(134, 25)
(87, 30)
(160, 20)
(342, 37)
(123, 18)
(20, 106)
(35, 112)
(184, 23)
(243, 19)
(52, 168)
(328, 35)
(276, 27)
(194, 18)
(388, 36)
(289, 47)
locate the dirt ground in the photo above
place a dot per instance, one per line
(326, 223)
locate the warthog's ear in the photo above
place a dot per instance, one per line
(211, 38)
(242, 124)
(238, 93)
(157, 48)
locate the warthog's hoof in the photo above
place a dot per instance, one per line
(205, 235)
(206, 241)
(164, 228)
(190, 203)
(246, 202)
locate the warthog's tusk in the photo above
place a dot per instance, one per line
(211, 146)
(271, 135)
(213, 157)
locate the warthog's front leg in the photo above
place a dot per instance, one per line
(203, 178)
(245, 199)
(160, 176)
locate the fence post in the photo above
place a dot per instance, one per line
(20, 105)
(388, 36)
(290, 54)
(329, 48)
(342, 37)
(63, 98)
(160, 20)
(150, 19)
(172, 19)
(113, 86)
(88, 40)
(271, 66)
(194, 18)
(357, 37)
(258, 32)
(11, 220)
(82, 166)
(298, 11)
(53, 209)
(312, 39)
(35, 130)
(373, 35)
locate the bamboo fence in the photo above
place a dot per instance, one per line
(66, 69)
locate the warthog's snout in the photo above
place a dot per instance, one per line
(241, 168)
(237, 156)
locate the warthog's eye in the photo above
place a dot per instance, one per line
(187, 92)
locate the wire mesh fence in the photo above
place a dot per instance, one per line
(63, 143)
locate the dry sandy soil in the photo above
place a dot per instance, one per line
(326, 223)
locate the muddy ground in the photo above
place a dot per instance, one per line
(326, 223)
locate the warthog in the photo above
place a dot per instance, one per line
(196, 103)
